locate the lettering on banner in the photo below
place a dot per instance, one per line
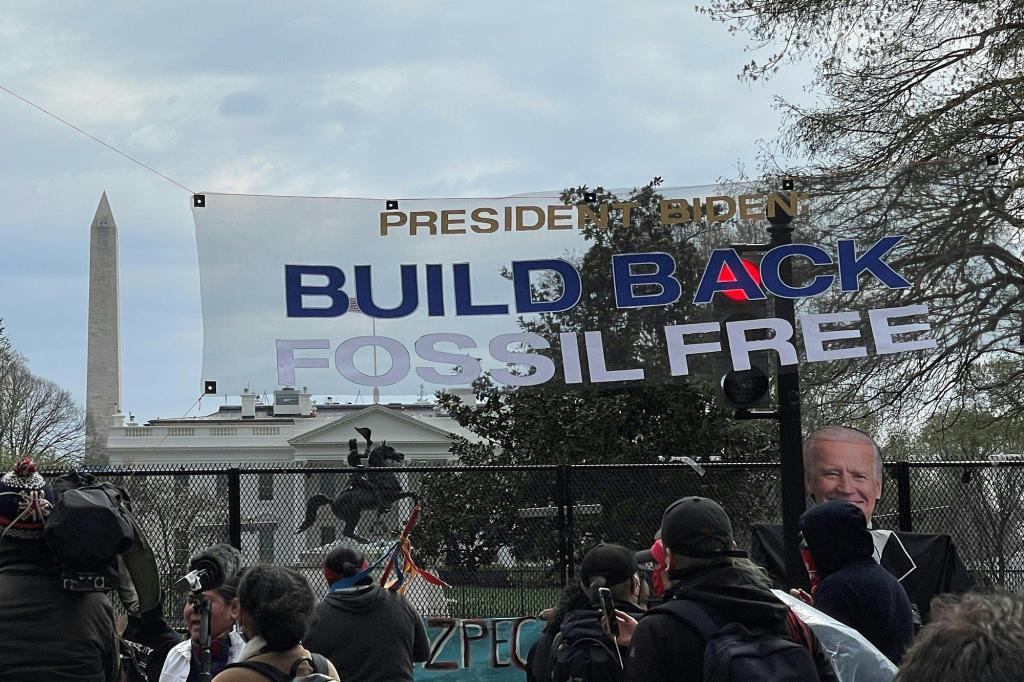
(504, 646)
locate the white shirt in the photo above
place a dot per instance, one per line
(176, 665)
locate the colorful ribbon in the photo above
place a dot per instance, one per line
(402, 563)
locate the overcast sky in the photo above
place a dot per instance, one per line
(383, 99)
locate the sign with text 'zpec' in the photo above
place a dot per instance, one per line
(340, 295)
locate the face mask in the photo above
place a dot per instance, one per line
(661, 567)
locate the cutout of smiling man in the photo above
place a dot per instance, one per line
(841, 463)
(845, 464)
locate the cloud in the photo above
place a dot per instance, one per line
(402, 98)
(242, 104)
(153, 138)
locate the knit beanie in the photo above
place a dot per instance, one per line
(25, 502)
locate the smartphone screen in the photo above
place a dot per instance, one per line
(608, 609)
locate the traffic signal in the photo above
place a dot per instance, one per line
(745, 388)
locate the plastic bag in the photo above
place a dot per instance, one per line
(854, 658)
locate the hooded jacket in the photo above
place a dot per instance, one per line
(854, 589)
(665, 648)
(369, 633)
(586, 623)
(47, 632)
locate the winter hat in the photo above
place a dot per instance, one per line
(25, 502)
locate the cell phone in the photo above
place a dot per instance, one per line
(608, 609)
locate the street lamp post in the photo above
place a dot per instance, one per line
(790, 436)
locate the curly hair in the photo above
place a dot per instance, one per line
(280, 602)
(973, 637)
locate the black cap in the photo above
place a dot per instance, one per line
(614, 563)
(698, 527)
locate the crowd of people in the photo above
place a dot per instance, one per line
(692, 606)
(711, 612)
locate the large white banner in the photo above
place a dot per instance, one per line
(340, 295)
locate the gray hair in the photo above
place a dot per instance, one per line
(841, 433)
(971, 637)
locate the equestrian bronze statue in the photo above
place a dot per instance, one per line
(371, 486)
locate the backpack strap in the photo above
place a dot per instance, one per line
(798, 630)
(317, 662)
(320, 664)
(553, 654)
(265, 669)
(691, 613)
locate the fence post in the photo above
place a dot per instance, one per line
(235, 507)
(563, 575)
(903, 497)
(565, 508)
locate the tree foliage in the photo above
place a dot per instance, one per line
(653, 421)
(981, 506)
(38, 418)
(917, 130)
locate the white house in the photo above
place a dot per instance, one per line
(292, 431)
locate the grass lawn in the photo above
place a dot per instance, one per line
(499, 602)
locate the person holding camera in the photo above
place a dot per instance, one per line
(275, 611)
(47, 632)
(183, 662)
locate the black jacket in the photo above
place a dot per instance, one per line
(369, 633)
(854, 589)
(46, 632)
(926, 565)
(586, 623)
(666, 649)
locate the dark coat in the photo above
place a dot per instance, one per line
(586, 623)
(369, 633)
(665, 649)
(854, 589)
(47, 632)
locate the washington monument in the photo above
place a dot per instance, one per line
(103, 375)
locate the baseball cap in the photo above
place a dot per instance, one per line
(614, 563)
(698, 527)
(647, 556)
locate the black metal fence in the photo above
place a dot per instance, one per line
(507, 538)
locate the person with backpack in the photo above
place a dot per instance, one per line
(46, 632)
(582, 651)
(275, 608)
(538, 658)
(719, 620)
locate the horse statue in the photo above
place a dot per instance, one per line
(370, 486)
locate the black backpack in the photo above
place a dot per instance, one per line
(586, 659)
(87, 529)
(735, 653)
